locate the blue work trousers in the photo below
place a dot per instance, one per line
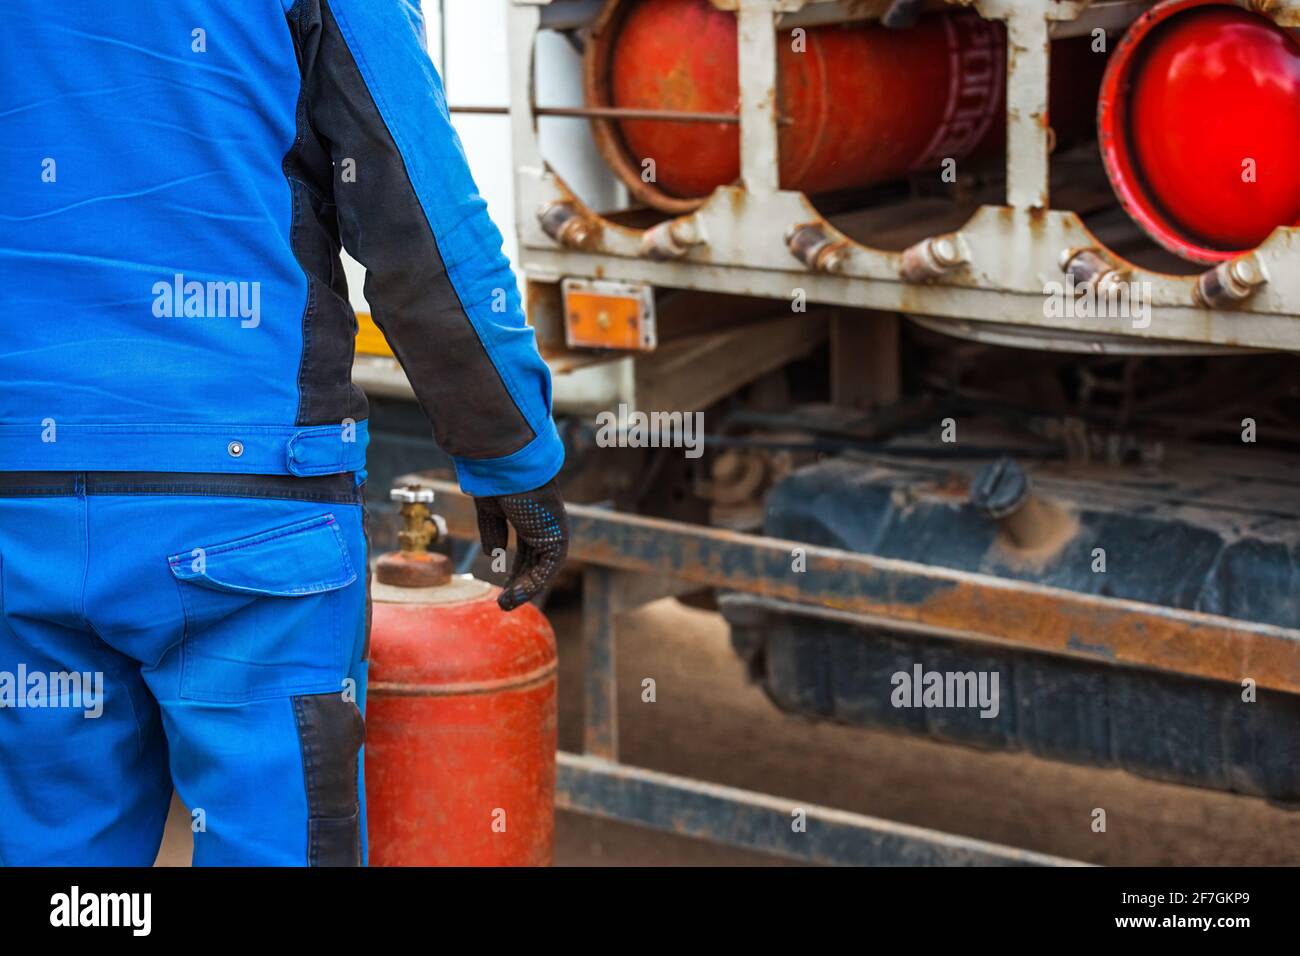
(205, 633)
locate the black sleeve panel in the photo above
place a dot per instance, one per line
(479, 402)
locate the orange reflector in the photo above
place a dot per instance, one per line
(603, 314)
(370, 341)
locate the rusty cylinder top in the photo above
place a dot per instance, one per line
(413, 569)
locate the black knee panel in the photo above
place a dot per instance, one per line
(331, 731)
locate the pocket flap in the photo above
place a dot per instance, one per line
(308, 557)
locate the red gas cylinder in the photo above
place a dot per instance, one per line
(460, 722)
(861, 103)
(1199, 124)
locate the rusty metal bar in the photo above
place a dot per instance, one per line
(927, 599)
(768, 824)
(480, 110)
(600, 728)
(606, 112)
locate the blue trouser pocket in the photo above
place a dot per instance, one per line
(262, 613)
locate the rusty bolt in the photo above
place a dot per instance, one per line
(671, 239)
(566, 225)
(1230, 282)
(932, 257)
(810, 244)
(1087, 268)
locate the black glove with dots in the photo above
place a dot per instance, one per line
(542, 532)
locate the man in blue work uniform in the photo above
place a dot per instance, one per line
(181, 445)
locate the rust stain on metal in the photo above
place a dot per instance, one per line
(953, 488)
(1037, 220)
(1100, 650)
(413, 569)
(596, 67)
(1267, 8)
(1037, 533)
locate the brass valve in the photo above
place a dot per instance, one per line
(415, 566)
(420, 527)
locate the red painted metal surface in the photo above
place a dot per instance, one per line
(860, 103)
(1199, 123)
(461, 734)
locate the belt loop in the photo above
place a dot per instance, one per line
(326, 449)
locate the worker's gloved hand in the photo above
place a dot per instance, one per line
(542, 532)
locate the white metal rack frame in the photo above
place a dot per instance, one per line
(1012, 252)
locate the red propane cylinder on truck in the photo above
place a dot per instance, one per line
(859, 103)
(1199, 124)
(461, 715)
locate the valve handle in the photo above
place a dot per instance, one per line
(412, 494)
